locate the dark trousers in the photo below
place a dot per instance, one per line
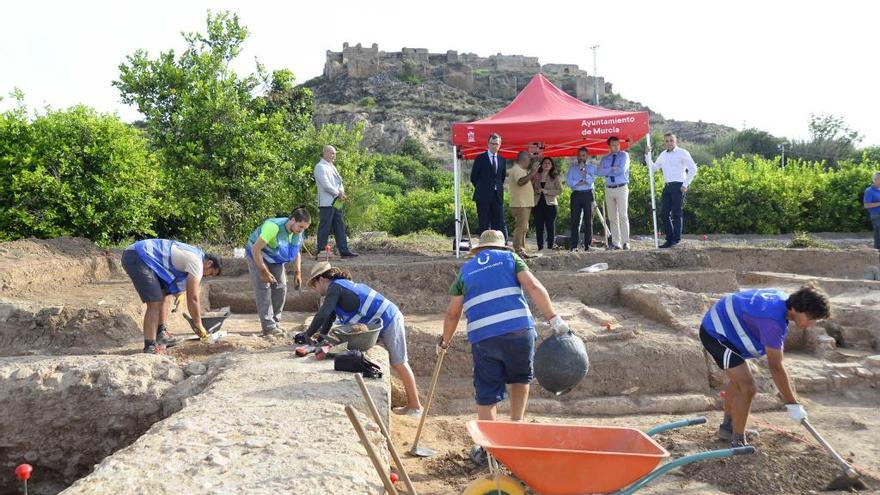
(490, 215)
(581, 208)
(875, 222)
(545, 221)
(671, 205)
(331, 219)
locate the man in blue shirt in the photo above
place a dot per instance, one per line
(615, 168)
(580, 179)
(872, 204)
(747, 325)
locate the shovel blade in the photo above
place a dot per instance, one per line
(846, 483)
(422, 452)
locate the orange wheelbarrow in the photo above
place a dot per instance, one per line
(577, 459)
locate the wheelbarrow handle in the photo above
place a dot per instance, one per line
(745, 450)
(681, 461)
(675, 424)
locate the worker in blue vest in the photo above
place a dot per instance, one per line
(348, 302)
(500, 327)
(747, 325)
(270, 247)
(160, 270)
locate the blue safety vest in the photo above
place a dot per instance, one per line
(156, 254)
(493, 299)
(372, 306)
(725, 320)
(285, 251)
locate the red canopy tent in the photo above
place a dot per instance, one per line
(543, 113)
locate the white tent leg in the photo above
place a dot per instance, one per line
(653, 196)
(456, 184)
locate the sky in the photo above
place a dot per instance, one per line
(767, 64)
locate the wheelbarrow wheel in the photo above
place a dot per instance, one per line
(488, 485)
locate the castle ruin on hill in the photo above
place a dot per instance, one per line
(496, 76)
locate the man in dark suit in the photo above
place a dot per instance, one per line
(487, 176)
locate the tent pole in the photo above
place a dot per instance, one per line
(653, 195)
(456, 180)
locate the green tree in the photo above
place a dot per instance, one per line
(234, 147)
(75, 172)
(748, 142)
(831, 141)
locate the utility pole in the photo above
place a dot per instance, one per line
(595, 76)
(781, 147)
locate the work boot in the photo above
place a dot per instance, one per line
(349, 254)
(154, 349)
(166, 339)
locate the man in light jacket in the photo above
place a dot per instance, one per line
(331, 194)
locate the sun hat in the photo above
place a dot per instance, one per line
(491, 239)
(319, 268)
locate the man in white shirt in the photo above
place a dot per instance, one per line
(331, 194)
(679, 171)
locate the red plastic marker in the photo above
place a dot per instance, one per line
(393, 477)
(723, 394)
(705, 237)
(327, 251)
(23, 472)
(608, 325)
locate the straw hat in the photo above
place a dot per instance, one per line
(491, 239)
(319, 268)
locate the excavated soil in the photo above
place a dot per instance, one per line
(781, 465)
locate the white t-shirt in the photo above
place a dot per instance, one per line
(188, 262)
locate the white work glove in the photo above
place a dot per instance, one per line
(796, 412)
(440, 347)
(558, 325)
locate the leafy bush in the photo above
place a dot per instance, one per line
(805, 240)
(410, 74)
(368, 102)
(76, 172)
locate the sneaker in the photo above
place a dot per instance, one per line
(726, 433)
(573, 250)
(626, 247)
(350, 254)
(666, 245)
(166, 339)
(738, 443)
(406, 411)
(154, 349)
(274, 331)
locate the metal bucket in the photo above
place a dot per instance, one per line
(356, 341)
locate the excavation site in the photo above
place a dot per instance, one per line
(94, 415)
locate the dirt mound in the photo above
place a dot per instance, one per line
(75, 247)
(781, 465)
(679, 309)
(66, 330)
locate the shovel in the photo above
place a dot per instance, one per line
(424, 451)
(378, 419)
(847, 481)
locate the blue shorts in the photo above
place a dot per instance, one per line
(501, 360)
